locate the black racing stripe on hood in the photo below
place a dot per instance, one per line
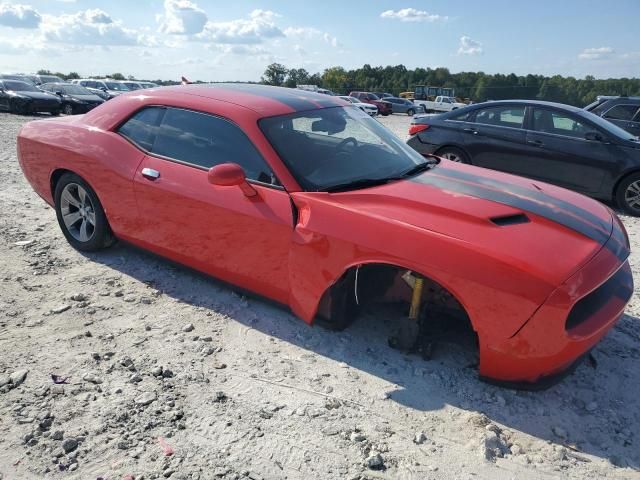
(298, 100)
(484, 192)
(534, 195)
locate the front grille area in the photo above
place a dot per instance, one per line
(619, 286)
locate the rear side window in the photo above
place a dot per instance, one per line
(141, 129)
(557, 123)
(621, 112)
(204, 141)
(508, 116)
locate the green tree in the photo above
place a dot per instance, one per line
(275, 74)
(117, 76)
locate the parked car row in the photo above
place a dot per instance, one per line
(560, 144)
(26, 94)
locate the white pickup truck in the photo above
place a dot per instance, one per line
(441, 104)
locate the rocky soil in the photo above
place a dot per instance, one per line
(121, 365)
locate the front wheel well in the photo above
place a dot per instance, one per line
(366, 287)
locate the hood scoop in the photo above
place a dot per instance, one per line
(506, 220)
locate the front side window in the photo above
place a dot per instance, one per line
(336, 146)
(622, 112)
(507, 116)
(205, 141)
(548, 121)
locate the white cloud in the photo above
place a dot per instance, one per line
(259, 26)
(309, 33)
(469, 46)
(182, 17)
(90, 27)
(19, 16)
(596, 53)
(412, 15)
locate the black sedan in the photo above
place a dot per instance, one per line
(75, 98)
(545, 141)
(22, 97)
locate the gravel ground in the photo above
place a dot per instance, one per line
(170, 374)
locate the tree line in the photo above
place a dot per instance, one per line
(476, 86)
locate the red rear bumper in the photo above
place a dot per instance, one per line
(571, 321)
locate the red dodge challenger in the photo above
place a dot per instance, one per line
(306, 200)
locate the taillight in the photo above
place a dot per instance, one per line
(416, 128)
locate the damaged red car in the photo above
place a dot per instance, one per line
(308, 201)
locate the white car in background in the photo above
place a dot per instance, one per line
(365, 107)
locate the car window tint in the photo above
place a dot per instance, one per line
(205, 141)
(460, 117)
(558, 123)
(507, 116)
(141, 129)
(621, 112)
(353, 128)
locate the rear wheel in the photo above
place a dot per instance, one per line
(67, 109)
(453, 154)
(411, 112)
(80, 214)
(628, 194)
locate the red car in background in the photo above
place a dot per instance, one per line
(306, 200)
(384, 108)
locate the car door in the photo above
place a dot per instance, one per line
(625, 116)
(560, 153)
(494, 138)
(218, 230)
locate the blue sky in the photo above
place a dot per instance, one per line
(235, 40)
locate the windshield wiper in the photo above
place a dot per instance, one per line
(356, 184)
(416, 169)
(373, 182)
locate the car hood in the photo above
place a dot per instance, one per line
(545, 230)
(87, 98)
(38, 95)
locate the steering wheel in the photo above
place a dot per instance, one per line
(344, 143)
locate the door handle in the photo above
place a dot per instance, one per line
(150, 174)
(535, 143)
(470, 130)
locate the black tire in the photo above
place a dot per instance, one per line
(627, 194)
(99, 236)
(411, 112)
(15, 106)
(385, 114)
(454, 154)
(67, 109)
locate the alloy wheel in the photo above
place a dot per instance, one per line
(68, 109)
(78, 212)
(452, 156)
(632, 195)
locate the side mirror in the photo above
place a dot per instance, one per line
(59, 93)
(104, 89)
(594, 137)
(230, 175)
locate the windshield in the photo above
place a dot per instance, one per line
(74, 90)
(116, 86)
(336, 146)
(50, 79)
(19, 86)
(610, 127)
(133, 86)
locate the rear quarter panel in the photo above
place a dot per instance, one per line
(102, 158)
